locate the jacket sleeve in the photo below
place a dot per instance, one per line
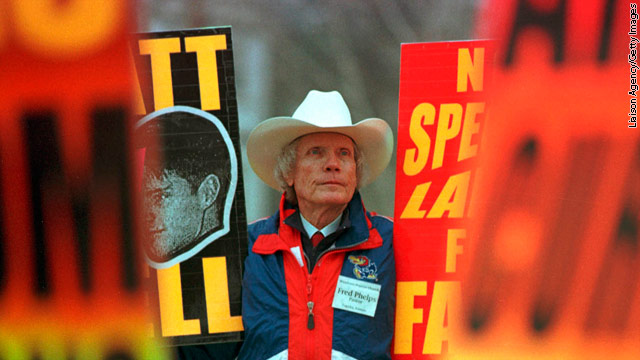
(264, 302)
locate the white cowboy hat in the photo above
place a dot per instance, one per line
(319, 112)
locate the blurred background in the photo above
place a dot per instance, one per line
(283, 49)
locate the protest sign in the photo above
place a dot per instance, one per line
(189, 174)
(553, 246)
(70, 279)
(442, 111)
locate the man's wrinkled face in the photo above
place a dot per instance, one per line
(172, 214)
(325, 170)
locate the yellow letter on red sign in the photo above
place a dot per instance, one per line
(449, 122)
(446, 300)
(406, 314)
(416, 158)
(412, 210)
(452, 198)
(470, 128)
(453, 249)
(474, 70)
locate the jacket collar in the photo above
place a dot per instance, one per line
(359, 236)
(296, 221)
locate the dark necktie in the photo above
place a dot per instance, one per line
(316, 238)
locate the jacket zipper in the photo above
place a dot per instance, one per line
(310, 321)
(310, 338)
(310, 303)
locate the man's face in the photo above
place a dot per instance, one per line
(325, 170)
(172, 214)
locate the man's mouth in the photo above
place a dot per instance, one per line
(332, 182)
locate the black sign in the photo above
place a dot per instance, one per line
(189, 171)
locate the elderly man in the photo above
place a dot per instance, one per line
(319, 279)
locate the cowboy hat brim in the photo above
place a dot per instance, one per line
(373, 137)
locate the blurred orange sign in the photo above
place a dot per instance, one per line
(70, 284)
(552, 266)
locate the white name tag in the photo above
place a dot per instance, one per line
(357, 296)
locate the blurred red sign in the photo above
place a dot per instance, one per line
(553, 260)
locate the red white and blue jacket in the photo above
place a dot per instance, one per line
(277, 290)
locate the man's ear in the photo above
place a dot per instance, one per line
(208, 191)
(289, 180)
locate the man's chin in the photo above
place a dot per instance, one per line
(156, 252)
(335, 198)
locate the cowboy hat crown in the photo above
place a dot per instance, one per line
(324, 109)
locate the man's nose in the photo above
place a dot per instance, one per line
(332, 163)
(153, 214)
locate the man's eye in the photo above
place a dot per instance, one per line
(315, 151)
(344, 153)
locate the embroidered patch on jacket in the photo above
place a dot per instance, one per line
(364, 269)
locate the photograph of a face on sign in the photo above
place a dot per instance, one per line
(193, 220)
(188, 183)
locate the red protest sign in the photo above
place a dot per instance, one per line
(441, 114)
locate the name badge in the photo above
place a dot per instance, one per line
(356, 296)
